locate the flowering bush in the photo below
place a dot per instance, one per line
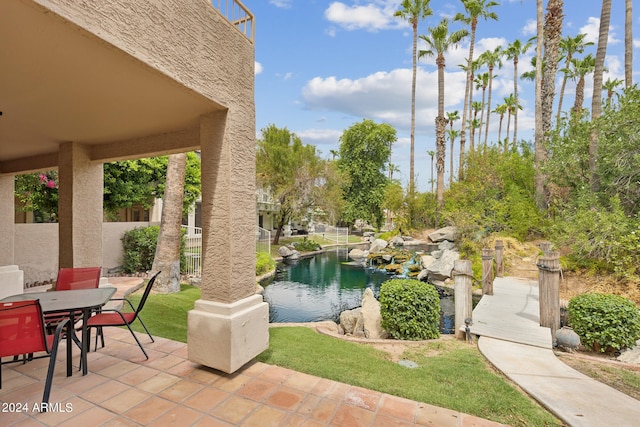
(38, 193)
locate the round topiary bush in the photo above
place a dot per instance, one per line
(410, 309)
(605, 322)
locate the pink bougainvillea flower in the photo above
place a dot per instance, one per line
(43, 177)
(51, 184)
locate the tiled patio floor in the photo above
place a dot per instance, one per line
(124, 389)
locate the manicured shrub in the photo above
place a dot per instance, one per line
(264, 263)
(605, 322)
(410, 309)
(139, 246)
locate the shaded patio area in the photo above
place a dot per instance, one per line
(124, 389)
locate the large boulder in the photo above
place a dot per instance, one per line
(397, 241)
(446, 233)
(351, 322)
(378, 245)
(357, 254)
(441, 268)
(284, 252)
(426, 261)
(371, 318)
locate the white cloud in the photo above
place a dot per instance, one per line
(372, 16)
(320, 136)
(636, 43)
(385, 96)
(592, 29)
(257, 68)
(284, 4)
(530, 28)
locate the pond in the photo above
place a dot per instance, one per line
(321, 287)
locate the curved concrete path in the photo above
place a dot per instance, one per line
(514, 342)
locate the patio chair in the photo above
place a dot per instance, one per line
(71, 278)
(120, 318)
(22, 332)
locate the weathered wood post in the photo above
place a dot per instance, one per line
(549, 288)
(462, 294)
(487, 271)
(545, 247)
(499, 258)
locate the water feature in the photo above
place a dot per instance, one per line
(321, 287)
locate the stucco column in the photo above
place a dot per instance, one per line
(7, 220)
(79, 207)
(229, 326)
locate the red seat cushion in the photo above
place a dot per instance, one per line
(110, 319)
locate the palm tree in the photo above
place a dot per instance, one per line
(431, 154)
(501, 110)
(512, 109)
(610, 86)
(552, 37)
(628, 44)
(473, 125)
(476, 107)
(475, 9)
(452, 116)
(538, 138)
(482, 82)
(438, 41)
(569, 46)
(452, 134)
(579, 69)
(335, 153)
(596, 98)
(491, 58)
(413, 11)
(514, 50)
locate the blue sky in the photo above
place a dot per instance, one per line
(322, 66)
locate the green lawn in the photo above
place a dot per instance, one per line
(450, 374)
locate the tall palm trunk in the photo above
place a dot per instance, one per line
(539, 149)
(465, 107)
(167, 257)
(596, 99)
(486, 126)
(515, 94)
(484, 90)
(628, 44)
(414, 72)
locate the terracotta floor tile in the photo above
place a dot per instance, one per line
(29, 392)
(120, 422)
(183, 369)
(234, 409)
(311, 423)
(285, 398)
(80, 384)
(435, 416)
(384, 421)
(149, 410)
(158, 383)
(118, 369)
(181, 390)
(209, 421)
(164, 363)
(92, 417)
(205, 375)
(308, 405)
(105, 391)
(257, 389)
(275, 374)
(254, 369)
(363, 398)
(169, 346)
(302, 382)
(182, 352)
(232, 383)
(12, 418)
(324, 411)
(264, 416)
(338, 392)
(68, 409)
(397, 407)
(352, 416)
(125, 400)
(178, 416)
(467, 420)
(29, 422)
(206, 399)
(138, 375)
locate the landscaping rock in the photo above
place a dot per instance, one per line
(357, 254)
(397, 241)
(426, 261)
(371, 318)
(378, 245)
(441, 268)
(284, 252)
(446, 233)
(351, 321)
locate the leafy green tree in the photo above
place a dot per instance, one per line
(38, 193)
(290, 170)
(364, 152)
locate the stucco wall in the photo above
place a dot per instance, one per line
(36, 249)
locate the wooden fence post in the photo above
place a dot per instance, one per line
(462, 294)
(549, 288)
(487, 271)
(499, 258)
(545, 247)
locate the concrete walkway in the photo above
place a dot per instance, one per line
(511, 338)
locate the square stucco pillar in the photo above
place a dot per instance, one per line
(80, 214)
(229, 326)
(7, 219)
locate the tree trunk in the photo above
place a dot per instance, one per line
(167, 258)
(467, 92)
(516, 102)
(486, 127)
(596, 98)
(540, 153)
(628, 44)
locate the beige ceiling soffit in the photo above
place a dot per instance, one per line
(148, 146)
(24, 165)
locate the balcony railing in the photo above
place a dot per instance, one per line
(237, 14)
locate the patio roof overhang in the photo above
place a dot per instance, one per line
(60, 83)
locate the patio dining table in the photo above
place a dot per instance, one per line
(69, 302)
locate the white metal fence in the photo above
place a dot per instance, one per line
(263, 240)
(336, 234)
(193, 248)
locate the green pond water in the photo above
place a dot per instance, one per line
(321, 287)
